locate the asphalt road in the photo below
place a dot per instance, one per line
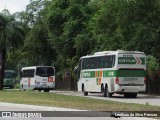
(141, 98)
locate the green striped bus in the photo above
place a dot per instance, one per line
(109, 72)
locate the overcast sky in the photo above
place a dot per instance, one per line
(13, 5)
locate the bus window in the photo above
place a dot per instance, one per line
(86, 63)
(93, 62)
(28, 73)
(110, 60)
(45, 71)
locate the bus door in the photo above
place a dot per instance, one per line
(28, 81)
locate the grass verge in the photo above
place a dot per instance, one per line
(75, 102)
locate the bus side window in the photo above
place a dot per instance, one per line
(102, 62)
(86, 63)
(109, 62)
(92, 62)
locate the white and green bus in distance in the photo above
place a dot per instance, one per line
(109, 72)
(38, 78)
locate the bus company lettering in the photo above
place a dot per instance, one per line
(127, 60)
(86, 74)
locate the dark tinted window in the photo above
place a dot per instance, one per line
(28, 73)
(45, 71)
(98, 62)
(9, 74)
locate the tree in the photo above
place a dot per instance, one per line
(11, 36)
(67, 27)
(128, 25)
(37, 47)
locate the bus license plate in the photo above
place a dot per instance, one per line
(44, 85)
(131, 84)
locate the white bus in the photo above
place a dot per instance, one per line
(38, 78)
(109, 72)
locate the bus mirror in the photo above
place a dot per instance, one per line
(75, 70)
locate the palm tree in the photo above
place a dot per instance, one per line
(11, 36)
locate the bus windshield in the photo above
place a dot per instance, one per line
(9, 74)
(45, 71)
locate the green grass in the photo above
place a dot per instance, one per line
(76, 102)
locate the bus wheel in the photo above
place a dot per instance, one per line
(126, 95)
(107, 92)
(103, 91)
(46, 90)
(130, 95)
(83, 90)
(133, 95)
(39, 90)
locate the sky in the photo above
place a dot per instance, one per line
(14, 5)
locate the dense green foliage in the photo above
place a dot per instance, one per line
(11, 37)
(59, 32)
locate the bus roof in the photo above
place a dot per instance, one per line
(34, 67)
(118, 51)
(113, 53)
(11, 71)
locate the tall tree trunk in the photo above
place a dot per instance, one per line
(2, 66)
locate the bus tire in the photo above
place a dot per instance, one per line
(107, 92)
(133, 95)
(130, 95)
(103, 91)
(39, 90)
(127, 95)
(84, 92)
(46, 90)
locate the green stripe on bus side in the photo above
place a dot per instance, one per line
(92, 74)
(110, 73)
(114, 73)
(88, 74)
